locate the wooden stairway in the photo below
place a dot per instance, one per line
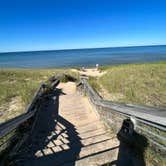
(69, 132)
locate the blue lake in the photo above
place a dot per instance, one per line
(82, 57)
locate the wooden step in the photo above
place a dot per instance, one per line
(97, 159)
(51, 157)
(83, 142)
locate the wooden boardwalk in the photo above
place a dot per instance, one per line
(68, 132)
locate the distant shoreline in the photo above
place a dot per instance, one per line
(89, 48)
(78, 67)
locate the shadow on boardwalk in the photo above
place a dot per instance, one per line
(44, 148)
(55, 141)
(130, 153)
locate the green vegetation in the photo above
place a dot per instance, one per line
(143, 84)
(93, 81)
(153, 159)
(17, 88)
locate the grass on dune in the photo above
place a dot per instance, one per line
(143, 84)
(22, 84)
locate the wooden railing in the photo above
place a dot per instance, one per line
(140, 125)
(16, 131)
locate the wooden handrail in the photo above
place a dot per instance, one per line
(12, 124)
(153, 115)
(153, 119)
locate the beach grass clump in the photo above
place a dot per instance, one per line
(143, 84)
(94, 83)
(18, 86)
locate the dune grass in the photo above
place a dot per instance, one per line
(16, 84)
(143, 84)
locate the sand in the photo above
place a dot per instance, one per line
(90, 72)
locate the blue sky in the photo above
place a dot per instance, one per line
(63, 24)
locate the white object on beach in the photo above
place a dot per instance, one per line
(97, 66)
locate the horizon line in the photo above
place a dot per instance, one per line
(84, 48)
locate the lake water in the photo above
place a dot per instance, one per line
(82, 57)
